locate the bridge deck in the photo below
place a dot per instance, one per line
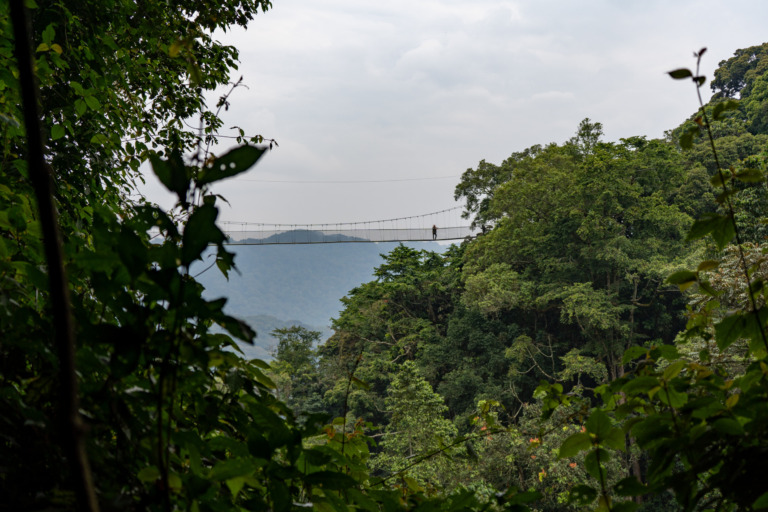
(330, 235)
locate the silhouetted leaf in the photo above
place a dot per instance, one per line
(200, 231)
(679, 74)
(630, 486)
(230, 164)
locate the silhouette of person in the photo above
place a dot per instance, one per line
(434, 232)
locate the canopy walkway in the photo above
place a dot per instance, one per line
(448, 225)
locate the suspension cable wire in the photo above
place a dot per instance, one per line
(246, 223)
(398, 229)
(337, 182)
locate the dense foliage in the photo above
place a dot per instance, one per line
(176, 419)
(575, 281)
(601, 344)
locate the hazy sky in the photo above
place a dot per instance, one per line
(405, 90)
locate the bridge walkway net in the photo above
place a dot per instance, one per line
(447, 225)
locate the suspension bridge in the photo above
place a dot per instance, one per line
(443, 225)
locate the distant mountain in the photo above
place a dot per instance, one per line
(301, 282)
(303, 236)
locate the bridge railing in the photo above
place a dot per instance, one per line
(267, 236)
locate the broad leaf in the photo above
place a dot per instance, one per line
(630, 486)
(574, 444)
(729, 329)
(582, 495)
(230, 164)
(679, 74)
(201, 230)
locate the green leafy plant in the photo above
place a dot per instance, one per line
(700, 423)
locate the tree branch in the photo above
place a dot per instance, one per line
(64, 337)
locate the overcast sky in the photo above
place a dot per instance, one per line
(407, 90)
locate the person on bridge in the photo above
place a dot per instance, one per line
(434, 232)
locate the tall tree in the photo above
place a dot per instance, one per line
(582, 241)
(295, 369)
(417, 432)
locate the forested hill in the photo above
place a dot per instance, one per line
(571, 279)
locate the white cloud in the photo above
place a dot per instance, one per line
(361, 90)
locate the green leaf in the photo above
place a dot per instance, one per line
(707, 265)
(258, 446)
(149, 474)
(200, 231)
(728, 426)
(236, 467)
(235, 485)
(615, 439)
(729, 329)
(195, 74)
(595, 461)
(679, 74)
(755, 328)
(633, 353)
(360, 383)
(175, 48)
(761, 502)
(80, 107)
(174, 482)
(521, 498)
(49, 33)
(630, 486)
(718, 180)
(722, 107)
(668, 352)
(230, 164)
(686, 139)
(624, 506)
(749, 175)
(673, 370)
(705, 224)
(725, 234)
(57, 132)
(651, 430)
(706, 289)
(172, 173)
(93, 103)
(574, 444)
(672, 397)
(641, 384)
(582, 495)
(237, 328)
(330, 480)
(598, 424)
(683, 279)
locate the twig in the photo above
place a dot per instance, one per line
(729, 204)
